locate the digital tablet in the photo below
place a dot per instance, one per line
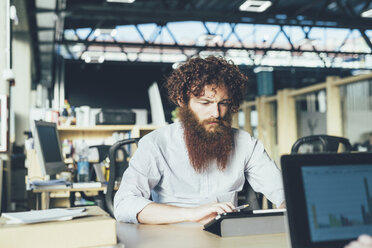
(250, 222)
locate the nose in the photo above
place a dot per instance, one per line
(215, 110)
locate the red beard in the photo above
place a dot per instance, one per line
(206, 146)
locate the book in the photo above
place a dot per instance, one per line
(248, 223)
(95, 229)
(37, 216)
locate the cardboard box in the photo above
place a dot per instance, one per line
(95, 229)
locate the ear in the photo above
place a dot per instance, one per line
(180, 103)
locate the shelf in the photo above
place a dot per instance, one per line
(107, 128)
(102, 131)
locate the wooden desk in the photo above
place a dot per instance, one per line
(190, 235)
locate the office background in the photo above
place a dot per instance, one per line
(308, 62)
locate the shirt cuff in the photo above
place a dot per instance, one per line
(129, 209)
(277, 198)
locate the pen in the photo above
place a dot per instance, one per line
(241, 207)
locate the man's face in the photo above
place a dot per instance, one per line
(211, 107)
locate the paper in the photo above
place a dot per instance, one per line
(86, 185)
(36, 216)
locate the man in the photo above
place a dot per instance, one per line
(194, 168)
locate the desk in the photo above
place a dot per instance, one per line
(190, 235)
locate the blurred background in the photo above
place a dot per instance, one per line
(97, 68)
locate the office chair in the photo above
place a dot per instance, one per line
(322, 144)
(98, 199)
(249, 196)
(114, 169)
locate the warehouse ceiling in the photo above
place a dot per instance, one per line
(317, 33)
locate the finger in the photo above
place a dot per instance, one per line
(219, 210)
(365, 239)
(207, 219)
(232, 206)
(226, 208)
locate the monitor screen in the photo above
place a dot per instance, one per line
(338, 201)
(48, 148)
(328, 198)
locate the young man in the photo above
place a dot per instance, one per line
(194, 168)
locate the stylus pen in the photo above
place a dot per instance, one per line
(241, 207)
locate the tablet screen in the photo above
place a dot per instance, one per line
(338, 201)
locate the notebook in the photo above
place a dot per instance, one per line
(329, 198)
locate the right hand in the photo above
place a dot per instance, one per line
(205, 213)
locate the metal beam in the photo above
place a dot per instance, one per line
(35, 40)
(77, 16)
(221, 48)
(366, 38)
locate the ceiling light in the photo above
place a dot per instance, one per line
(261, 68)
(255, 6)
(209, 38)
(306, 41)
(120, 1)
(105, 31)
(367, 14)
(113, 32)
(93, 57)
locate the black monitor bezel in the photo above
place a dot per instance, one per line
(295, 195)
(48, 168)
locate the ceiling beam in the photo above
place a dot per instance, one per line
(220, 48)
(81, 16)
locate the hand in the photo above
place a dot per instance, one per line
(364, 241)
(205, 213)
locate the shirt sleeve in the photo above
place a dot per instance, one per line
(138, 180)
(263, 174)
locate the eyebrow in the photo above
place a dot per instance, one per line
(210, 99)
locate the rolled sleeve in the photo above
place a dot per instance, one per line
(263, 175)
(138, 180)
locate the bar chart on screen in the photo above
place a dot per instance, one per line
(338, 201)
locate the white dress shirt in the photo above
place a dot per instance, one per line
(161, 167)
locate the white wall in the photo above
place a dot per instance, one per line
(21, 92)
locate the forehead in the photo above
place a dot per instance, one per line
(214, 92)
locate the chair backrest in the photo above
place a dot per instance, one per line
(113, 171)
(249, 196)
(322, 144)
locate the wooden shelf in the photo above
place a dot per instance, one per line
(107, 128)
(102, 131)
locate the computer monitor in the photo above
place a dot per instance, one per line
(156, 105)
(48, 148)
(328, 198)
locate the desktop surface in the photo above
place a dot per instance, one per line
(190, 235)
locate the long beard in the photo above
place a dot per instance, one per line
(206, 146)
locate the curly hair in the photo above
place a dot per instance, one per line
(196, 73)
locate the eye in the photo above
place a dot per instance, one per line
(204, 103)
